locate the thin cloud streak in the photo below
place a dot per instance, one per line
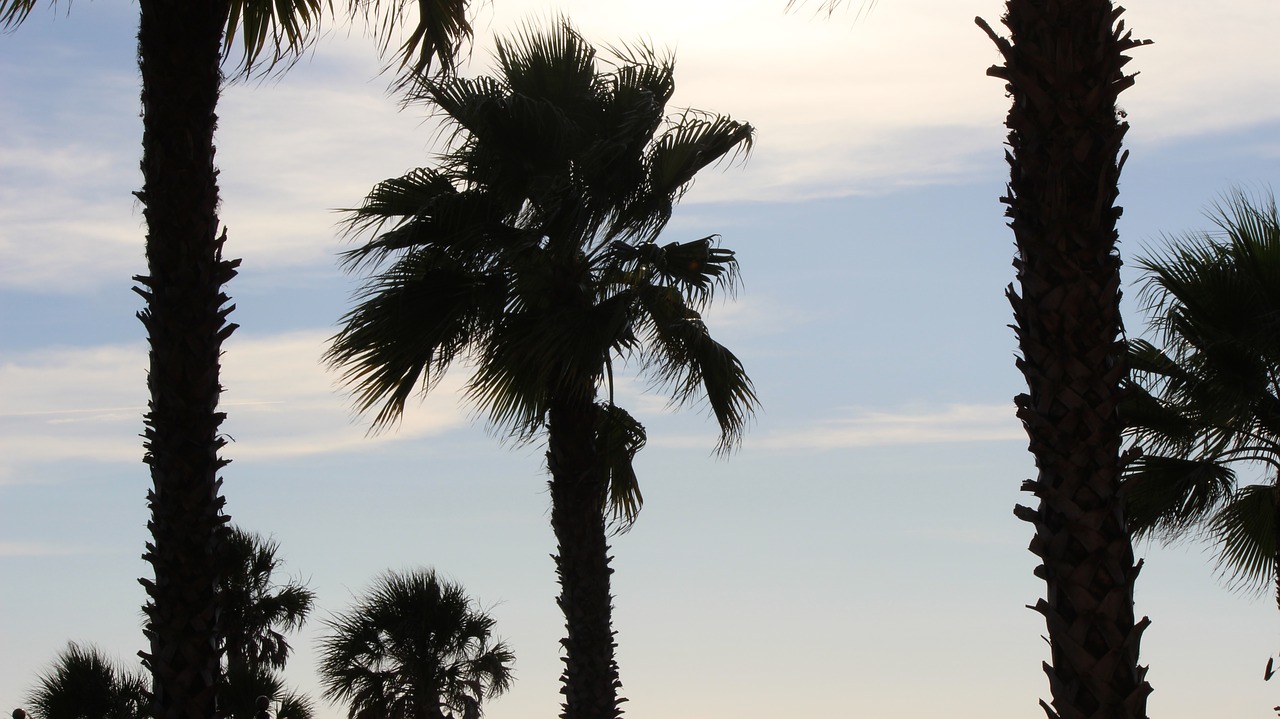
(882, 428)
(87, 404)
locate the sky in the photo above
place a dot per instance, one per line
(857, 557)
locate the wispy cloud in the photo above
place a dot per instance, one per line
(843, 105)
(868, 428)
(880, 427)
(87, 404)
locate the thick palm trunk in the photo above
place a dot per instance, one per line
(179, 42)
(1063, 65)
(590, 680)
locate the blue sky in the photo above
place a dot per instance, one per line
(858, 557)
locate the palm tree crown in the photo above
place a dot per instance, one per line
(530, 249)
(83, 683)
(414, 648)
(1205, 401)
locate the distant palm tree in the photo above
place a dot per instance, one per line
(180, 54)
(414, 647)
(256, 612)
(1206, 400)
(83, 683)
(531, 252)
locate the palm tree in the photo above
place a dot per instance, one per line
(180, 53)
(1063, 65)
(83, 683)
(530, 251)
(413, 648)
(256, 612)
(1206, 401)
(256, 609)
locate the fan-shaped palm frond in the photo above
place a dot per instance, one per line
(1245, 532)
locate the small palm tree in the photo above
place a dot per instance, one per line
(83, 683)
(1206, 401)
(257, 611)
(531, 252)
(414, 647)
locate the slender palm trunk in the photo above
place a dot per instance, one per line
(590, 680)
(179, 42)
(1063, 65)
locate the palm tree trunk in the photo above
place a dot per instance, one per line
(1063, 65)
(179, 45)
(590, 680)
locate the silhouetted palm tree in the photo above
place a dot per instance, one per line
(180, 53)
(414, 647)
(1063, 65)
(83, 683)
(531, 252)
(257, 610)
(1206, 399)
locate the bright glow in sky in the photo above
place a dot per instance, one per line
(858, 557)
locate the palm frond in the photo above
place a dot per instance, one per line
(412, 323)
(683, 357)
(556, 66)
(14, 12)
(437, 33)
(1244, 530)
(691, 142)
(282, 28)
(1167, 496)
(619, 436)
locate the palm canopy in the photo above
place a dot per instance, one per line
(414, 647)
(84, 683)
(276, 32)
(257, 609)
(530, 250)
(1204, 402)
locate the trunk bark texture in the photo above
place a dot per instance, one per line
(1063, 66)
(179, 45)
(590, 681)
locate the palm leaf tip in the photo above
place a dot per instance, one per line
(14, 12)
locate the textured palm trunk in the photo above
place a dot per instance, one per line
(1063, 65)
(179, 42)
(590, 681)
